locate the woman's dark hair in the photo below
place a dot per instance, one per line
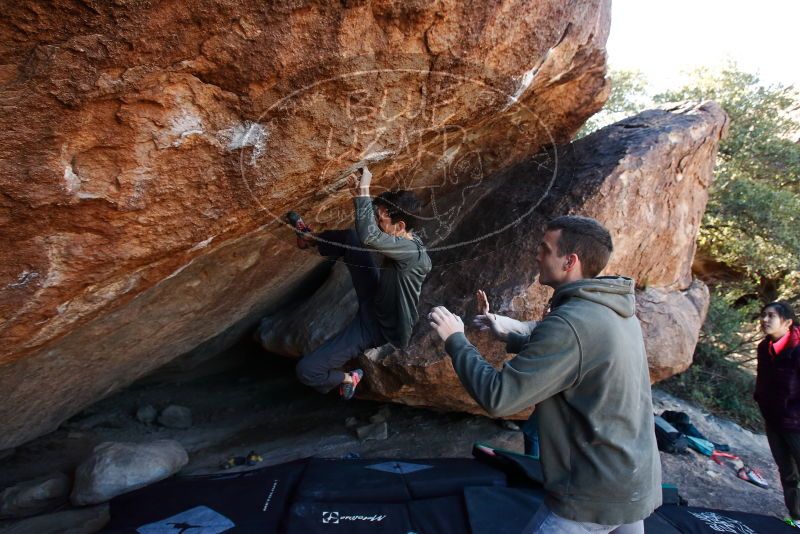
(401, 206)
(783, 309)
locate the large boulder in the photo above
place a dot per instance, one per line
(671, 323)
(150, 148)
(645, 178)
(116, 468)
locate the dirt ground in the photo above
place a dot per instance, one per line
(705, 483)
(255, 403)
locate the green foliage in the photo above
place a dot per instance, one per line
(751, 223)
(753, 228)
(750, 228)
(730, 331)
(761, 143)
(628, 96)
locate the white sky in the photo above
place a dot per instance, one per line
(662, 38)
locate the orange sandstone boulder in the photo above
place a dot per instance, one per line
(149, 149)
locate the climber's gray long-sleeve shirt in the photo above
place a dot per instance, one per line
(585, 369)
(405, 266)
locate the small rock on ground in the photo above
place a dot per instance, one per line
(109, 420)
(175, 416)
(376, 431)
(509, 425)
(80, 521)
(116, 468)
(147, 414)
(351, 422)
(34, 496)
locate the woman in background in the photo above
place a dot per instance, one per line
(778, 396)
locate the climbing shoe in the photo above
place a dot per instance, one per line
(752, 476)
(304, 237)
(791, 522)
(348, 389)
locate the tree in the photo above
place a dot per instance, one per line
(749, 232)
(749, 235)
(629, 95)
(751, 223)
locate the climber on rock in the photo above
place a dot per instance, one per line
(387, 294)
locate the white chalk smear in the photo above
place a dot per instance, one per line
(23, 279)
(203, 244)
(378, 156)
(524, 83)
(246, 134)
(72, 180)
(340, 179)
(184, 126)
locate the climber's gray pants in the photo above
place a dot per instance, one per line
(321, 369)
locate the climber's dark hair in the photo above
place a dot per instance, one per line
(401, 205)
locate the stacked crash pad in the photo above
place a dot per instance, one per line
(425, 496)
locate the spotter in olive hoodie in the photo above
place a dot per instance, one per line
(584, 368)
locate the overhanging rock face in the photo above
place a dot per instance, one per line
(645, 178)
(149, 148)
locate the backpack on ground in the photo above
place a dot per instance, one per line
(681, 421)
(668, 438)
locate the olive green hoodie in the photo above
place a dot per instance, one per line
(405, 266)
(584, 368)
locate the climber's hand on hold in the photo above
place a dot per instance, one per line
(360, 181)
(445, 323)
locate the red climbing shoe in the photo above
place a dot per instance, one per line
(752, 476)
(348, 389)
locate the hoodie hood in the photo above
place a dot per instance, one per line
(615, 292)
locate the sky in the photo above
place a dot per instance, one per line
(663, 38)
